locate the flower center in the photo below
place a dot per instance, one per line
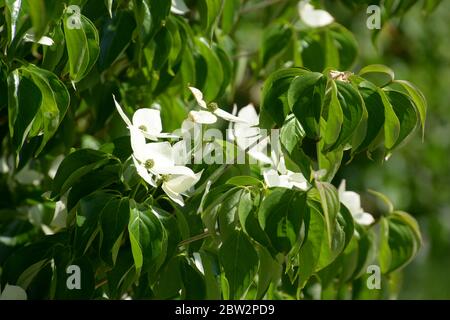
(143, 128)
(212, 107)
(148, 164)
(165, 177)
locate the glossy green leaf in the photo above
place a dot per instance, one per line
(281, 217)
(309, 253)
(148, 239)
(330, 205)
(305, 97)
(382, 70)
(116, 37)
(352, 108)
(391, 122)
(24, 101)
(419, 101)
(406, 114)
(274, 107)
(335, 117)
(399, 241)
(240, 263)
(74, 166)
(82, 47)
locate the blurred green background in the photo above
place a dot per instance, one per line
(417, 177)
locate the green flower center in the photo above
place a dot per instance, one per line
(165, 177)
(143, 128)
(212, 107)
(148, 164)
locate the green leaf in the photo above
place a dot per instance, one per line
(163, 43)
(82, 47)
(309, 253)
(159, 10)
(291, 139)
(406, 114)
(335, 118)
(42, 12)
(341, 236)
(399, 241)
(114, 220)
(16, 17)
(227, 68)
(274, 106)
(24, 101)
(276, 39)
(281, 217)
(227, 212)
(230, 14)
(244, 181)
(96, 180)
(375, 113)
(214, 75)
(148, 239)
(353, 109)
(116, 37)
(240, 263)
(419, 101)
(386, 73)
(54, 102)
(89, 211)
(391, 122)
(305, 97)
(53, 54)
(269, 271)
(193, 280)
(248, 218)
(330, 205)
(74, 166)
(329, 160)
(209, 12)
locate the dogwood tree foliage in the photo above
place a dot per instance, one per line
(96, 101)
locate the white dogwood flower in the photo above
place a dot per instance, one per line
(211, 112)
(247, 134)
(148, 121)
(352, 201)
(313, 17)
(281, 177)
(156, 161)
(176, 185)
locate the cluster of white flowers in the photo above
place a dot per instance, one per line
(163, 163)
(156, 161)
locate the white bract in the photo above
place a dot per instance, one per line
(211, 112)
(179, 7)
(148, 121)
(158, 162)
(281, 177)
(313, 17)
(247, 134)
(352, 201)
(46, 41)
(175, 185)
(13, 293)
